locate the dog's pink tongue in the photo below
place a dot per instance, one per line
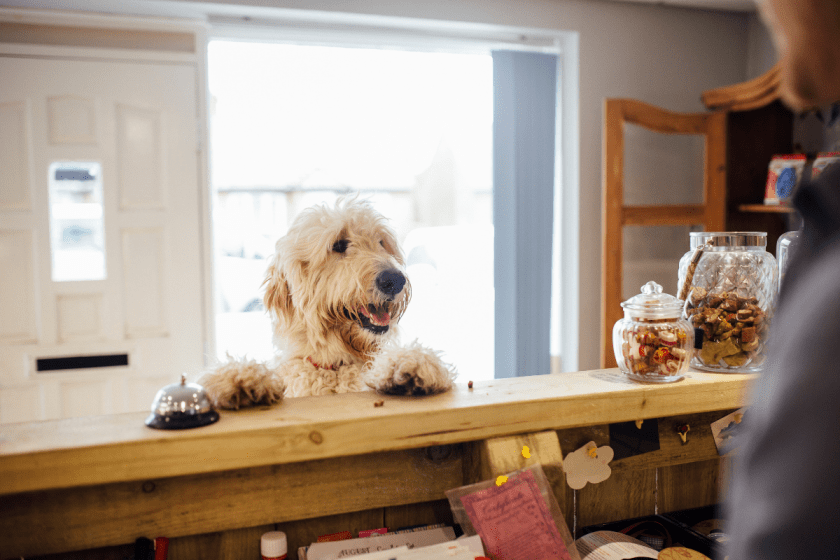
(380, 319)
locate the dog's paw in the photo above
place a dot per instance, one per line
(239, 383)
(411, 370)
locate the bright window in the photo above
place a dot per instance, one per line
(77, 228)
(295, 125)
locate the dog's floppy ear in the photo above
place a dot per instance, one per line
(278, 298)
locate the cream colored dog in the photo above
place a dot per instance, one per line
(335, 289)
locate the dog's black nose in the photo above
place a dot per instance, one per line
(390, 281)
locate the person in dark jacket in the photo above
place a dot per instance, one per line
(784, 498)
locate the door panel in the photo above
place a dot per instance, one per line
(140, 153)
(17, 297)
(14, 156)
(144, 282)
(71, 119)
(135, 124)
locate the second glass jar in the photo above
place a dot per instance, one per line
(730, 298)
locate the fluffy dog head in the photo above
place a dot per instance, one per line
(336, 285)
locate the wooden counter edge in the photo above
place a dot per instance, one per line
(118, 448)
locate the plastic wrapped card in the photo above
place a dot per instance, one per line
(518, 519)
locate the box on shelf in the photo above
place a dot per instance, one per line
(823, 160)
(783, 176)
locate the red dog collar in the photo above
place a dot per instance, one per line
(319, 366)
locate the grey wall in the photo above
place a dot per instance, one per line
(663, 55)
(761, 54)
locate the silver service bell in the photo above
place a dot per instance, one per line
(180, 406)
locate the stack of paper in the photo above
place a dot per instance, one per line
(466, 548)
(386, 543)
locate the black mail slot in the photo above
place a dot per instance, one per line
(81, 362)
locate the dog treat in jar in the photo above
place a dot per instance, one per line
(653, 342)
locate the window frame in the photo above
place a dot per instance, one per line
(350, 30)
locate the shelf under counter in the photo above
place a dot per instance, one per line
(766, 208)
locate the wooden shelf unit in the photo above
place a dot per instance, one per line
(758, 126)
(746, 126)
(317, 465)
(766, 208)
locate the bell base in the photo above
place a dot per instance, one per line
(181, 421)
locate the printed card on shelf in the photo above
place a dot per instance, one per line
(415, 528)
(392, 554)
(513, 520)
(472, 543)
(355, 547)
(463, 548)
(466, 548)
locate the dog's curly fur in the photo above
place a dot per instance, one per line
(335, 289)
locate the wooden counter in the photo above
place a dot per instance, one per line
(103, 481)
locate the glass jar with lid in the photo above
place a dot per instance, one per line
(729, 282)
(653, 342)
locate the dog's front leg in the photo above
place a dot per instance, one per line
(409, 370)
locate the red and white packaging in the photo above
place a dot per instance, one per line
(372, 532)
(824, 159)
(779, 189)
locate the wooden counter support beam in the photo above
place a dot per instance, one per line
(82, 518)
(504, 454)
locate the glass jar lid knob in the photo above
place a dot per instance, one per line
(653, 304)
(651, 288)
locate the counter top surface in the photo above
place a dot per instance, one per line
(117, 448)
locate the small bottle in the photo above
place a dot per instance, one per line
(273, 546)
(784, 249)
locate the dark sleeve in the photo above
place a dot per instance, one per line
(784, 498)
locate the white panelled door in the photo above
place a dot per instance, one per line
(100, 244)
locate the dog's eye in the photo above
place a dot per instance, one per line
(381, 243)
(340, 246)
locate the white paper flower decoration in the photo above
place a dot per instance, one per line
(588, 464)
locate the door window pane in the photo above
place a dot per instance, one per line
(77, 227)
